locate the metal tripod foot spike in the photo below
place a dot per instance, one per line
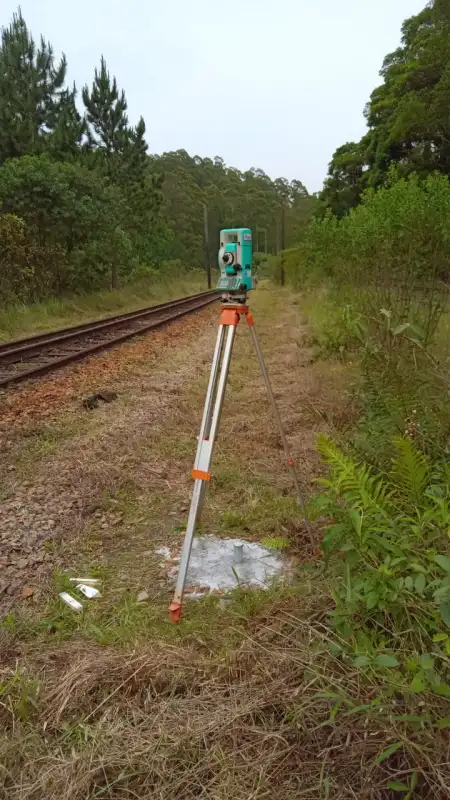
(229, 320)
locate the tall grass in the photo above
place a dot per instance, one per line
(263, 704)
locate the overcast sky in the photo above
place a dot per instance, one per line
(275, 84)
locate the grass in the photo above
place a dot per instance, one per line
(271, 707)
(126, 623)
(35, 445)
(24, 320)
(40, 443)
(259, 699)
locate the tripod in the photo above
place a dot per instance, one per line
(229, 319)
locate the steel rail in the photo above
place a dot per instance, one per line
(14, 346)
(21, 350)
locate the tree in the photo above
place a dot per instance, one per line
(233, 199)
(142, 189)
(300, 210)
(106, 112)
(74, 209)
(120, 152)
(70, 129)
(31, 91)
(407, 115)
(183, 201)
(346, 179)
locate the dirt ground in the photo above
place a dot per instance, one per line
(246, 699)
(100, 490)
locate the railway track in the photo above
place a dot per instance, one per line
(22, 359)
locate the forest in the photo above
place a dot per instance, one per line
(85, 205)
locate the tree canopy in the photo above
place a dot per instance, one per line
(407, 115)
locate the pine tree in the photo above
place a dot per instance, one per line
(106, 111)
(69, 127)
(120, 151)
(31, 86)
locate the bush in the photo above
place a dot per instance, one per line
(15, 268)
(388, 544)
(26, 266)
(385, 267)
(386, 496)
(392, 249)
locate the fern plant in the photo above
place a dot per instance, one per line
(410, 471)
(387, 538)
(275, 542)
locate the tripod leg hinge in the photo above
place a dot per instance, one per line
(229, 316)
(175, 612)
(201, 475)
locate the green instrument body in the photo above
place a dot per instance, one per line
(236, 260)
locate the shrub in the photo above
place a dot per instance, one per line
(26, 266)
(15, 268)
(389, 548)
(393, 249)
